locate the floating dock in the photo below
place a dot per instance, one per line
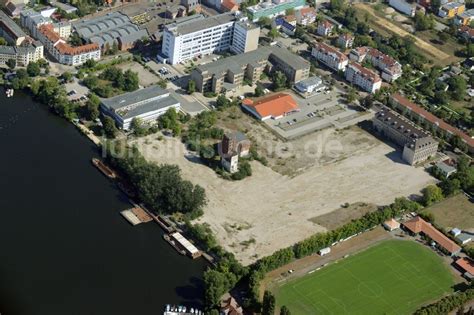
(182, 245)
(136, 216)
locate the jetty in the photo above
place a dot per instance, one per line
(136, 216)
(182, 245)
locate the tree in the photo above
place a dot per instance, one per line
(279, 80)
(258, 91)
(457, 87)
(3, 41)
(108, 124)
(21, 79)
(265, 21)
(66, 76)
(351, 96)
(33, 69)
(222, 101)
(92, 107)
(441, 97)
(11, 63)
(273, 33)
(443, 36)
(470, 50)
(284, 310)
(368, 101)
(268, 306)
(191, 86)
(423, 22)
(137, 127)
(290, 11)
(432, 194)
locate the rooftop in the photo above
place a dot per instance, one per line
(433, 119)
(275, 105)
(417, 225)
(330, 50)
(365, 72)
(466, 264)
(196, 25)
(7, 22)
(311, 81)
(140, 101)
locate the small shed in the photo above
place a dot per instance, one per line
(455, 232)
(391, 225)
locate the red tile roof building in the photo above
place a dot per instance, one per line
(402, 103)
(364, 78)
(330, 56)
(274, 106)
(62, 51)
(305, 16)
(345, 40)
(466, 264)
(325, 28)
(418, 225)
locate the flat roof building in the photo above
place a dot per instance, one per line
(192, 38)
(250, 65)
(310, 86)
(273, 8)
(147, 104)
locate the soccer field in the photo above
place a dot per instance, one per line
(394, 277)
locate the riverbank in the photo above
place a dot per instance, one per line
(63, 233)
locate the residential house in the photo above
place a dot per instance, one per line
(325, 28)
(451, 9)
(305, 16)
(345, 40)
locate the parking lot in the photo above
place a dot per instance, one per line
(76, 92)
(326, 109)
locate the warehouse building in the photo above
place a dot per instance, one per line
(147, 104)
(274, 106)
(418, 145)
(107, 30)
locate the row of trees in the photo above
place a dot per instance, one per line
(448, 303)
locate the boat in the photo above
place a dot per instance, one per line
(9, 92)
(173, 243)
(107, 171)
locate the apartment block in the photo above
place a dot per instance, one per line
(330, 56)
(62, 51)
(203, 36)
(451, 9)
(345, 40)
(23, 55)
(224, 74)
(418, 145)
(363, 77)
(325, 28)
(390, 68)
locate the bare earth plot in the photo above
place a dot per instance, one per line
(275, 210)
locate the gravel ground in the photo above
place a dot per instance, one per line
(275, 210)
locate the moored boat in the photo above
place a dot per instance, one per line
(107, 171)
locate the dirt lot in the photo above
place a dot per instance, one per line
(427, 48)
(343, 215)
(268, 203)
(296, 156)
(456, 211)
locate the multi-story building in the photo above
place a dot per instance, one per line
(413, 111)
(232, 71)
(111, 29)
(198, 37)
(325, 28)
(62, 51)
(358, 54)
(10, 30)
(330, 56)
(305, 16)
(147, 104)
(345, 40)
(273, 8)
(389, 67)
(418, 145)
(23, 55)
(32, 20)
(465, 18)
(451, 9)
(363, 77)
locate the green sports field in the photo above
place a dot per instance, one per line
(394, 277)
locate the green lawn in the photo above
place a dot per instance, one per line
(394, 277)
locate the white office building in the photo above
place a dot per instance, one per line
(147, 104)
(199, 37)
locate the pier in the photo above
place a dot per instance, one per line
(136, 216)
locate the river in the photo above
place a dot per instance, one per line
(64, 247)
